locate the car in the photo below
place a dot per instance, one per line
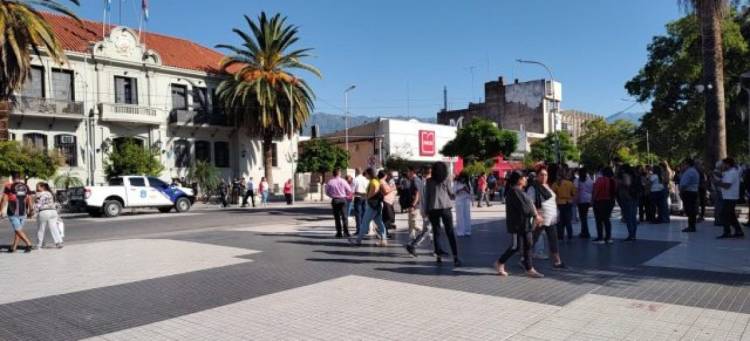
(132, 191)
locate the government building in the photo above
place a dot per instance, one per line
(118, 85)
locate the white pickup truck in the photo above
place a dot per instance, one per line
(130, 192)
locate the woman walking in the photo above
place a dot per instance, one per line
(584, 188)
(263, 190)
(521, 216)
(565, 193)
(288, 191)
(47, 217)
(439, 200)
(604, 201)
(388, 190)
(373, 211)
(545, 202)
(659, 194)
(463, 205)
(627, 194)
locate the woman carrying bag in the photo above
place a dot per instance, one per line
(47, 217)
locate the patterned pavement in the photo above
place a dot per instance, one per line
(293, 281)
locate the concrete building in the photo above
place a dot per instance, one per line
(573, 121)
(371, 144)
(154, 89)
(527, 107)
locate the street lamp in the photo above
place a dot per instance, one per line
(554, 107)
(346, 117)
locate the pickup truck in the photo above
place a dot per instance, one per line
(130, 192)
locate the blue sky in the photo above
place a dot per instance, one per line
(400, 54)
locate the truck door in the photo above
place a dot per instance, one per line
(137, 191)
(163, 195)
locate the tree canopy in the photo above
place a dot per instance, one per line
(29, 161)
(481, 140)
(602, 142)
(320, 156)
(672, 81)
(546, 148)
(130, 158)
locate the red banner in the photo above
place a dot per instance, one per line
(426, 143)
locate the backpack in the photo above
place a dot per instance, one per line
(17, 193)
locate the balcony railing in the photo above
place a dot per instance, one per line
(37, 106)
(187, 117)
(130, 113)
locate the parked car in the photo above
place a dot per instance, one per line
(131, 192)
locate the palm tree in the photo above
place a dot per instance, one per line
(23, 29)
(711, 13)
(263, 95)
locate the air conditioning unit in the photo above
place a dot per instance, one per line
(67, 139)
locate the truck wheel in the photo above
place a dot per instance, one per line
(112, 208)
(95, 212)
(165, 209)
(182, 205)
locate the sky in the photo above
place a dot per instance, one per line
(400, 54)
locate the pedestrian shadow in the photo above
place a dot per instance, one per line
(365, 253)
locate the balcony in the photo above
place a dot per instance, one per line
(130, 113)
(183, 117)
(47, 107)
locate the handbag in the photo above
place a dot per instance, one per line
(61, 227)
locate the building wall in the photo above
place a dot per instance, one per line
(94, 85)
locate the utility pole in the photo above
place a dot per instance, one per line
(346, 118)
(554, 110)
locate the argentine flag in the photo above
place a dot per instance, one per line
(144, 7)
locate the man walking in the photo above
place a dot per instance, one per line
(250, 192)
(426, 227)
(18, 198)
(360, 196)
(339, 190)
(729, 186)
(223, 192)
(689, 182)
(411, 192)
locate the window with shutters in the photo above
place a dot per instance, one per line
(62, 85)
(36, 140)
(126, 90)
(34, 85)
(179, 97)
(182, 154)
(221, 154)
(203, 151)
(67, 147)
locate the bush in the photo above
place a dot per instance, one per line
(131, 158)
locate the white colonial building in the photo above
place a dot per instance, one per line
(119, 84)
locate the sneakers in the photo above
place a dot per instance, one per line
(411, 251)
(598, 241)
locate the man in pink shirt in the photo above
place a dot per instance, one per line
(339, 190)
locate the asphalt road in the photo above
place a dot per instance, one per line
(147, 223)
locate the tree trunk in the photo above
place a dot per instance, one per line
(4, 118)
(268, 159)
(710, 16)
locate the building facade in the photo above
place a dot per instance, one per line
(155, 90)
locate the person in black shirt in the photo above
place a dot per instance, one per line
(521, 217)
(18, 198)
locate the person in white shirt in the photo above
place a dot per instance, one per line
(250, 192)
(464, 194)
(730, 194)
(359, 187)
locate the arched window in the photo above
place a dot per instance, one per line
(182, 154)
(68, 148)
(203, 151)
(36, 140)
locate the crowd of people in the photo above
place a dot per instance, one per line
(542, 204)
(240, 190)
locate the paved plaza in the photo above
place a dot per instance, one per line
(277, 274)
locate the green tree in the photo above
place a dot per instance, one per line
(673, 81)
(263, 95)
(481, 140)
(29, 161)
(602, 142)
(66, 181)
(23, 31)
(320, 156)
(546, 148)
(130, 158)
(206, 175)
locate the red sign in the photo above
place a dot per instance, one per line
(426, 143)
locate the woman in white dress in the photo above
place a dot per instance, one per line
(464, 194)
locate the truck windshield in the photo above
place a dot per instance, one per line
(115, 182)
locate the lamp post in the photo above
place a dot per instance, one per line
(346, 115)
(554, 107)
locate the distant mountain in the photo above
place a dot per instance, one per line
(330, 123)
(633, 117)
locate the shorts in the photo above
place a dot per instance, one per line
(16, 222)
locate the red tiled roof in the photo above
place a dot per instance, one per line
(175, 52)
